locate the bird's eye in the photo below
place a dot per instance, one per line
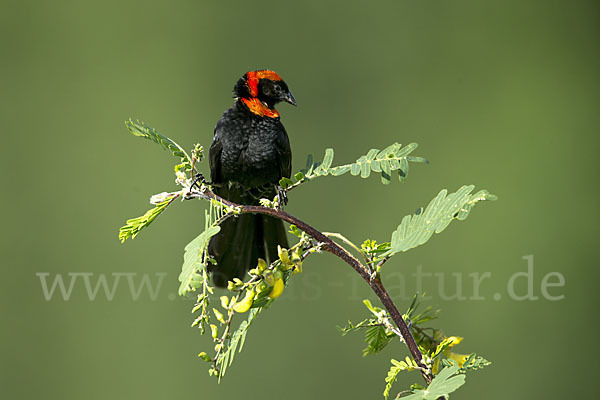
(277, 88)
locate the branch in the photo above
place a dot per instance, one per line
(329, 245)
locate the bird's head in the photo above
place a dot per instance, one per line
(262, 88)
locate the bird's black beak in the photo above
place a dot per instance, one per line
(289, 98)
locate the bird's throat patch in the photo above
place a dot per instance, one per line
(257, 107)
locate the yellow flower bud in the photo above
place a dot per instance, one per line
(214, 330)
(219, 315)
(262, 265)
(245, 304)
(277, 289)
(283, 255)
(224, 301)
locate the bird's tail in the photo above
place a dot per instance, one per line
(241, 241)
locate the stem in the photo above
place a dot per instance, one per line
(347, 241)
(329, 245)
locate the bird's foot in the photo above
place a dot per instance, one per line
(282, 196)
(198, 180)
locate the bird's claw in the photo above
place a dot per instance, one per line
(198, 178)
(282, 195)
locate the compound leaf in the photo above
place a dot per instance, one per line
(446, 382)
(140, 129)
(194, 260)
(417, 229)
(133, 226)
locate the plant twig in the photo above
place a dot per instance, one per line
(347, 241)
(332, 247)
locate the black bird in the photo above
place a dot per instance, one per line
(249, 154)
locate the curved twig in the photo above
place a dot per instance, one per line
(332, 247)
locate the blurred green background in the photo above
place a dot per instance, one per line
(501, 94)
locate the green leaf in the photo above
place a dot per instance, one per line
(351, 327)
(309, 165)
(365, 167)
(373, 309)
(386, 172)
(424, 316)
(390, 379)
(417, 229)
(327, 160)
(475, 362)
(295, 231)
(392, 158)
(341, 170)
(285, 182)
(194, 260)
(140, 129)
(395, 369)
(376, 338)
(446, 382)
(235, 342)
(135, 225)
(372, 154)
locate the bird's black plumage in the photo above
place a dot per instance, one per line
(249, 154)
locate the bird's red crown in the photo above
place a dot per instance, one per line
(253, 77)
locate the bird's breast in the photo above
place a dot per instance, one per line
(250, 157)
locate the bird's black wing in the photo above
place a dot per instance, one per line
(285, 153)
(214, 158)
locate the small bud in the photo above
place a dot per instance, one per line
(262, 287)
(266, 203)
(277, 289)
(285, 267)
(214, 331)
(269, 278)
(283, 255)
(219, 315)
(181, 179)
(159, 198)
(262, 265)
(224, 301)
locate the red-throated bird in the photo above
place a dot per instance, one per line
(249, 154)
